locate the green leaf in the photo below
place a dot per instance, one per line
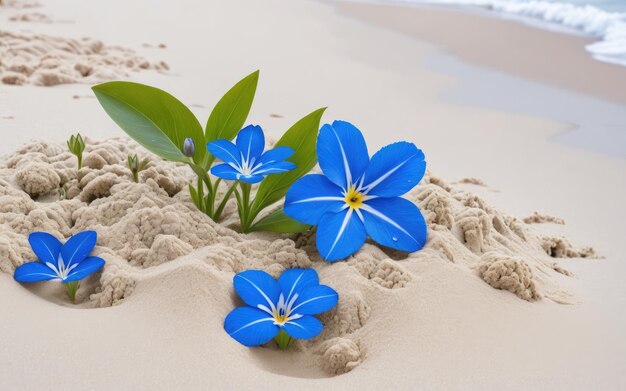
(279, 222)
(152, 117)
(302, 138)
(230, 113)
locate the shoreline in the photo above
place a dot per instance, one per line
(496, 42)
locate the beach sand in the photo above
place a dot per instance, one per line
(491, 302)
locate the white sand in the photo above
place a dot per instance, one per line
(426, 321)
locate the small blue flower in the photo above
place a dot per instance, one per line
(358, 197)
(283, 306)
(245, 160)
(68, 263)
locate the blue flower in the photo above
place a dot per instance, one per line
(68, 263)
(274, 307)
(245, 160)
(358, 196)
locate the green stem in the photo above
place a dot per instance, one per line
(222, 205)
(204, 177)
(245, 200)
(283, 340)
(135, 176)
(80, 160)
(71, 288)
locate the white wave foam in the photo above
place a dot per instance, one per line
(608, 27)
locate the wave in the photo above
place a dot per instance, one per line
(608, 27)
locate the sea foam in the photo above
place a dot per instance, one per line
(608, 27)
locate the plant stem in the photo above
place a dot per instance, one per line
(283, 340)
(70, 289)
(135, 176)
(222, 205)
(245, 200)
(80, 160)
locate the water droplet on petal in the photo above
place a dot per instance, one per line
(394, 239)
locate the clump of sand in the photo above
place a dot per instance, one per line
(541, 218)
(47, 61)
(149, 228)
(36, 17)
(19, 4)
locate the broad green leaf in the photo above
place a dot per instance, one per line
(230, 113)
(302, 138)
(152, 117)
(279, 222)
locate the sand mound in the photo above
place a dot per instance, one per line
(47, 61)
(151, 228)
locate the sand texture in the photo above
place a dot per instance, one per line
(143, 226)
(48, 61)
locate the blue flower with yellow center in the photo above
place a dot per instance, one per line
(357, 197)
(278, 308)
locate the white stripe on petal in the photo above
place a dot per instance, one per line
(231, 155)
(316, 199)
(344, 224)
(310, 300)
(253, 323)
(377, 182)
(346, 167)
(272, 306)
(386, 219)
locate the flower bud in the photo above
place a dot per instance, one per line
(189, 147)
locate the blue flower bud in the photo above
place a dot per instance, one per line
(189, 147)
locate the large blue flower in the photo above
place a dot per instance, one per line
(67, 262)
(358, 197)
(245, 160)
(287, 304)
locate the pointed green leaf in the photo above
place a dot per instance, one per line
(302, 138)
(279, 222)
(230, 113)
(152, 117)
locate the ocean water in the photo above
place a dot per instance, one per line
(604, 20)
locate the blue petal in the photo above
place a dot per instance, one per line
(78, 247)
(251, 142)
(394, 222)
(394, 170)
(315, 300)
(225, 171)
(252, 179)
(257, 289)
(273, 168)
(45, 246)
(33, 272)
(311, 196)
(250, 326)
(306, 327)
(295, 281)
(342, 153)
(277, 154)
(339, 235)
(86, 267)
(225, 151)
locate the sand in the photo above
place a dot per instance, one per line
(147, 224)
(491, 302)
(48, 61)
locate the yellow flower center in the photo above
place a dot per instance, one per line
(280, 318)
(354, 199)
